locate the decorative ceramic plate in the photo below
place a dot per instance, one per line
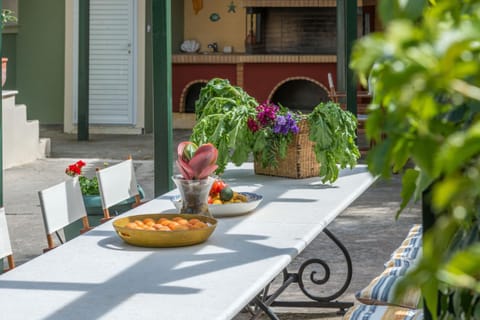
(157, 238)
(229, 209)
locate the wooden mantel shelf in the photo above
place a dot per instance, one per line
(301, 3)
(229, 58)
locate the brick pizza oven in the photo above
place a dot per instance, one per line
(290, 49)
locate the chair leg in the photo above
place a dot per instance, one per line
(11, 262)
(138, 201)
(106, 215)
(50, 243)
(86, 225)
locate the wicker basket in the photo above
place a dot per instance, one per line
(300, 161)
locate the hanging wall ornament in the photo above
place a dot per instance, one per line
(232, 7)
(214, 17)
(197, 5)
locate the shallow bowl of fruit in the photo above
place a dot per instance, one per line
(164, 229)
(228, 208)
(223, 201)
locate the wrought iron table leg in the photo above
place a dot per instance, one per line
(265, 308)
(263, 301)
(321, 301)
(268, 299)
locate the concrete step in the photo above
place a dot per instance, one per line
(21, 142)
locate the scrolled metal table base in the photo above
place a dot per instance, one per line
(265, 300)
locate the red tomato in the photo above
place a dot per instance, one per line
(217, 186)
(213, 189)
(210, 200)
(221, 185)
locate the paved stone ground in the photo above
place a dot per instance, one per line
(368, 228)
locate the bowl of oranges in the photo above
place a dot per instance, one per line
(165, 229)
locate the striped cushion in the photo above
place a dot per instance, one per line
(369, 312)
(411, 247)
(398, 263)
(381, 290)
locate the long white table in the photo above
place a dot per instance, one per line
(98, 276)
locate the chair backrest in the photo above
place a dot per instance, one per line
(61, 205)
(5, 245)
(116, 184)
(331, 86)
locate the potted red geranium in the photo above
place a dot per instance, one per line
(92, 200)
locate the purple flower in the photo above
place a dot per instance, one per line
(292, 123)
(280, 125)
(294, 129)
(285, 124)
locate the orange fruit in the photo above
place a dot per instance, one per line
(165, 222)
(148, 221)
(163, 228)
(193, 221)
(132, 225)
(201, 224)
(172, 225)
(179, 227)
(182, 221)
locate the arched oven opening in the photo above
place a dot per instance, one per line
(190, 96)
(300, 94)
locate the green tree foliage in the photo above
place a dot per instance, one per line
(424, 70)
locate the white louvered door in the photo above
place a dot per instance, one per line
(111, 62)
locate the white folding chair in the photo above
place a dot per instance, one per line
(117, 183)
(61, 205)
(5, 245)
(332, 92)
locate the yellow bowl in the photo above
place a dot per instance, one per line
(155, 238)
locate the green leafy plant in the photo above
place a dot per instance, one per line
(238, 126)
(426, 81)
(334, 132)
(89, 186)
(222, 111)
